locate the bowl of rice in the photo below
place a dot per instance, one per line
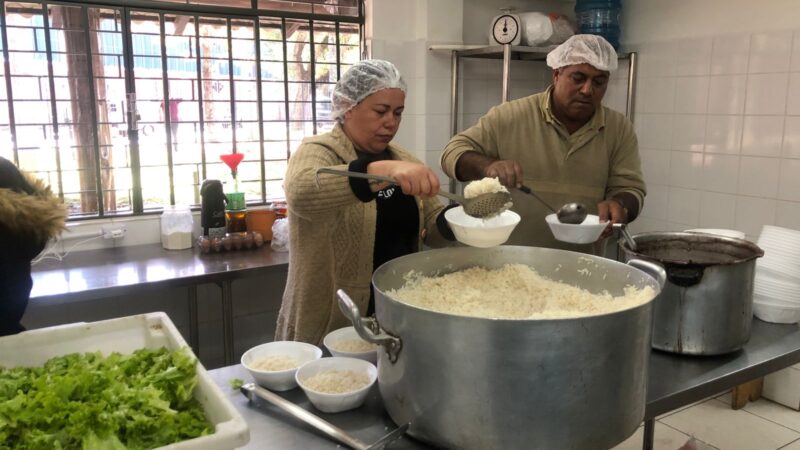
(586, 232)
(336, 384)
(346, 342)
(273, 365)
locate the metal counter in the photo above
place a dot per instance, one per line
(674, 381)
(95, 274)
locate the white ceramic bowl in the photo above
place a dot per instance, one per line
(333, 403)
(279, 380)
(482, 233)
(346, 334)
(583, 233)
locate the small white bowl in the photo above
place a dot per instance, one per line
(775, 313)
(333, 403)
(349, 333)
(482, 233)
(279, 380)
(583, 233)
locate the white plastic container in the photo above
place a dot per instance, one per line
(279, 380)
(333, 403)
(482, 233)
(124, 335)
(583, 233)
(176, 227)
(346, 334)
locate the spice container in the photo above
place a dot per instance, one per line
(260, 219)
(176, 227)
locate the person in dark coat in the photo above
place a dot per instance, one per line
(29, 216)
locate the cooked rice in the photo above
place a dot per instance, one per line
(336, 381)
(352, 346)
(516, 291)
(483, 186)
(275, 363)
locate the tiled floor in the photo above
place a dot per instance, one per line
(761, 425)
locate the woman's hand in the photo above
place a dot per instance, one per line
(413, 178)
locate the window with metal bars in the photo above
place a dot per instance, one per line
(126, 107)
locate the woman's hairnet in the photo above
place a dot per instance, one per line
(584, 49)
(362, 80)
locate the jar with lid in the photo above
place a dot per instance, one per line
(176, 227)
(236, 212)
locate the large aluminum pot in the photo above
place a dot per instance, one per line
(473, 383)
(706, 307)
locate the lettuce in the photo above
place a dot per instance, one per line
(91, 402)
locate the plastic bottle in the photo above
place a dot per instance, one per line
(600, 17)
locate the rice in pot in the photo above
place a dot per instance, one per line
(515, 291)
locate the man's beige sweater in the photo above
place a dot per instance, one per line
(331, 237)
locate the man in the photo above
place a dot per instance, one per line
(562, 143)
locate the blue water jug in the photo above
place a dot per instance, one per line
(599, 17)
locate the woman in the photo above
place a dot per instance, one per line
(29, 215)
(341, 229)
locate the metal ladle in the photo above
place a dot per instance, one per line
(482, 206)
(574, 213)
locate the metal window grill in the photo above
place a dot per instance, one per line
(125, 106)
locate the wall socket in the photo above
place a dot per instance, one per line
(114, 231)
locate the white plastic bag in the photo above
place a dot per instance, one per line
(540, 29)
(280, 235)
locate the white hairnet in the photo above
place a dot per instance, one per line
(362, 80)
(584, 49)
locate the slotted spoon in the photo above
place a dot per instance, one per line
(482, 206)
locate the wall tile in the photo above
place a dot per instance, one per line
(689, 132)
(720, 173)
(730, 54)
(788, 215)
(766, 93)
(762, 135)
(473, 96)
(617, 95)
(656, 203)
(437, 91)
(655, 166)
(753, 213)
(654, 131)
(686, 169)
(791, 138)
(793, 100)
(658, 59)
(684, 206)
(758, 177)
(645, 224)
(655, 95)
(691, 94)
(727, 94)
(717, 210)
(795, 66)
(789, 187)
(694, 57)
(723, 134)
(770, 52)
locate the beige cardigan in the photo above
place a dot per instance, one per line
(331, 237)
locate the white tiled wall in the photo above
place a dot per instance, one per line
(719, 132)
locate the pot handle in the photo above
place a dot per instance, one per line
(652, 269)
(368, 328)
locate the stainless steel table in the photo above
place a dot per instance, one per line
(674, 381)
(96, 274)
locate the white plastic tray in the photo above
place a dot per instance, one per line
(124, 335)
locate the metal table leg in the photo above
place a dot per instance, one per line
(649, 434)
(194, 334)
(227, 321)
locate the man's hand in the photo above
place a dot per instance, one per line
(509, 172)
(613, 211)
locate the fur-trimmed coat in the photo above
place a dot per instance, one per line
(29, 216)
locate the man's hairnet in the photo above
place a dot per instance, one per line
(362, 80)
(584, 49)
